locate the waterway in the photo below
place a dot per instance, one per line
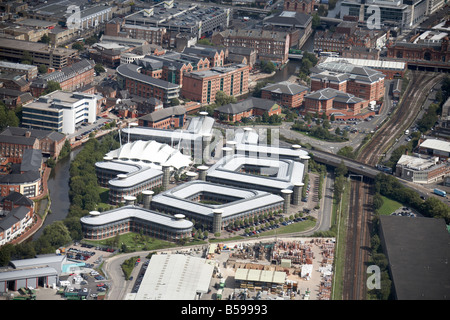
(58, 186)
(291, 68)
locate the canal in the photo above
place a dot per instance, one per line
(58, 186)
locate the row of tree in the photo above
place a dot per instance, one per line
(391, 188)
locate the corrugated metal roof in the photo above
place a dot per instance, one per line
(175, 277)
(27, 273)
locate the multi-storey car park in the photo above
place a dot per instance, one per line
(182, 17)
(215, 205)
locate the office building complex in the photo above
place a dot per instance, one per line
(285, 93)
(60, 111)
(132, 218)
(215, 205)
(202, 86)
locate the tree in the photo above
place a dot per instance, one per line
(341, 170)
(99, 68)
(222, 98)
(205, 42)
(27, 58)
(52, 86)
(43, 68)
(315, 21)
(78, 46)
(267, 66)
(45, 39)
(174, 102)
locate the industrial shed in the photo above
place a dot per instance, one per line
(36, 277)
(37, 272)
(260, 279)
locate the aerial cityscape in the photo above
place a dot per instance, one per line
(241, 150)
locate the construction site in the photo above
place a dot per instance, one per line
(272, 269)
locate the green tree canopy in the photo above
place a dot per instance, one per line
(52, 86)
(43, 68)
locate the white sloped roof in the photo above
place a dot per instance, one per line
(151, 152)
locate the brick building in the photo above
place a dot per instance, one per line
(216, 56)
(247, 108)
(129, 77)
(303, 6)
(421, 51)
(18, 212)
(331, 101)
(167, 118)
(14, 140)
(202, 86)
(269, 45)
(70, 78)
(286, 94)
(172, 66)
(349, 35)
(362, 82)
(29, 71)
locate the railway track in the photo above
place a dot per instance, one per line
(360, 214)
(418, 88)
(357, 242)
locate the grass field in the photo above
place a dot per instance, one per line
(388, 206)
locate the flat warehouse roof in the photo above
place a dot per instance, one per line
(175, 277)
(418, 250)
(436, 145)
(254, 275)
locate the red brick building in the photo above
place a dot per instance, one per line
(172, 66)
(129, 77)
(269, 45)
(331, 101)
(363, 82)
(167, 118)
(247, 108)
(434, 52)
(72, 78)
(303, 6)
(286, 94)
(216, 56)
(13, 141)
(202, 86)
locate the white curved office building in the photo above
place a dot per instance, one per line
(102, 225)
(270, 175)
(214, 204)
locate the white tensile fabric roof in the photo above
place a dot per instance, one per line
(151, 152)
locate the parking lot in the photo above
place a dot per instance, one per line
(83, 281)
